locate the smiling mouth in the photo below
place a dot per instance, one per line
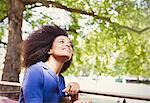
(67, 49)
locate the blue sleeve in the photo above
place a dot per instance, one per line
(61, 86)
(33, 85)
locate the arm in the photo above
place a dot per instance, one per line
(32, 85)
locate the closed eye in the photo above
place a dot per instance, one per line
(61, 41)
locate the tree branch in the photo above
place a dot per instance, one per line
(89, 6)
(3, 43)
(134, 30)
(60, 6)
(1, 20)
(72, 30)
(145, 29)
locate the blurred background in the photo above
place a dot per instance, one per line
(111, 41)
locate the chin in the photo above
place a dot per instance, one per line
(63, 57)
(66, 58)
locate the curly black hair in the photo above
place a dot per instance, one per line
(35, 48)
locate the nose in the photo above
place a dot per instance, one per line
(68, 44)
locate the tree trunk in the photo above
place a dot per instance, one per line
(12, 62)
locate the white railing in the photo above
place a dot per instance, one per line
(102, 93)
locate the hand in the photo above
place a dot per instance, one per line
(72, 88)
(82, 101)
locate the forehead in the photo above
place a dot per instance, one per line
(62, 37)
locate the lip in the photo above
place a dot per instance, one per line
(68, 49)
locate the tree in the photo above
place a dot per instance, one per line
(12, 60)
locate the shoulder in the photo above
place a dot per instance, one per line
(34, 70)
(33, 76)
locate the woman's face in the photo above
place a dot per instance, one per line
(62, 47)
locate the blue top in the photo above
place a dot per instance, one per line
(41, 85)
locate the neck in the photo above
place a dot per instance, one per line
(55, 64)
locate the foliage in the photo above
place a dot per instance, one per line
(110, 50)
(3, 9)
(1, 32)
(3, 14)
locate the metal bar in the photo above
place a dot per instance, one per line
(10, 83)
(137, 97)
(103, 93)
(9, 92)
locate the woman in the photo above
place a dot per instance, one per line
(47, 53)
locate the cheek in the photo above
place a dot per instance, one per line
(57, 51)
(56, 48)
(71, 53)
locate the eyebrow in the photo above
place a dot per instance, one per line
(64, 39)
(69, 41)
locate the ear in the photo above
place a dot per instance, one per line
(49, 52)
